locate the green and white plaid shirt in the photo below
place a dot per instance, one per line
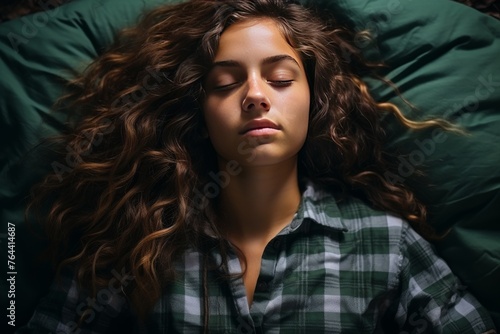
(336, 268)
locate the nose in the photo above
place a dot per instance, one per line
(256, 98)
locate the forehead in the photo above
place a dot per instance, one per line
(253, 38)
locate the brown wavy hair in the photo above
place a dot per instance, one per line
(128, 196)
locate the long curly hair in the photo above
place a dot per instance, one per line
(130, 194)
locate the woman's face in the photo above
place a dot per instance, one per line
(257, 96)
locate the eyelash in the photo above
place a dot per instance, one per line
(282, 83)
(279, 83)
(225, 87)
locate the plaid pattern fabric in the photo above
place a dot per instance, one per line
(336, 268)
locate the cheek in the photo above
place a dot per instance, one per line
(220, 123)
(213, 114)
(221, 107)
(302, 107)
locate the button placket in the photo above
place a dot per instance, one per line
(277, 244)
(262, 286)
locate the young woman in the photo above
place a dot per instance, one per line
(230, 179)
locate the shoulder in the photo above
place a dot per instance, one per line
(367, 235)
(354, 215)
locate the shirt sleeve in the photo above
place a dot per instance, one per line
(432, 299)
(61, 311)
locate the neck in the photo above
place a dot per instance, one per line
(258, 202)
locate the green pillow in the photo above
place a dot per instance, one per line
(443, 57)
(441, 54)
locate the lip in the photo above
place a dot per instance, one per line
(263, 126)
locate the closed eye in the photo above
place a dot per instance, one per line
(280, 83)
(225, 87)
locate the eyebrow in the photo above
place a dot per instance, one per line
(265, 61)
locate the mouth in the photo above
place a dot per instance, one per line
(260, 127)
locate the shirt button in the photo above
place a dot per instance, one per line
(262, 286)
(277, 244)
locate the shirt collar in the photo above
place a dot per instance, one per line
(316, 205)
(319, 206)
